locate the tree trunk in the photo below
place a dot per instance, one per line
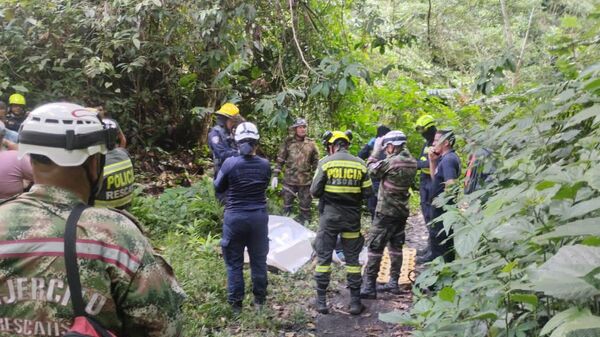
(507, 32)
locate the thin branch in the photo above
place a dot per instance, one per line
(291, 2)
(520, 60)
(429, 25)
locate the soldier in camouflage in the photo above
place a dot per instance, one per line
(300, 157)
(127, 287)
(397, 173)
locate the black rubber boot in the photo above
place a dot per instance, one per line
(368, 290)
(356, 306)
(236, 308)
(369, 287)
(321, 302)
(395, 266)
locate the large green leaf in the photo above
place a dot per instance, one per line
(573, 322)
(589, 226)
(583, 208)
(562, 275)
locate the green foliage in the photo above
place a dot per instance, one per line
(521, 240)
(191, 210)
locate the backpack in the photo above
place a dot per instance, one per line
(83, 325)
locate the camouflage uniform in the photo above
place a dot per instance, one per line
(300, 158)
(341, 183)
(397, 173)
(129, 289)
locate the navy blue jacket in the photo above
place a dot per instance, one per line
(245, 179)
(222, 146)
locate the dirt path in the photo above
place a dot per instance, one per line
(340, 323)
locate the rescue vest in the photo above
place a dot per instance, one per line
(117, 187)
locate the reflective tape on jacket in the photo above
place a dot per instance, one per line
(112, 168)
(116, 203)
(350, 235)
(323, 269)
(353, 269)
(86, 249)
(345, 163)
(342, 189)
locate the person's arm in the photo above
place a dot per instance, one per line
(451, 172)
(314, 160)
(433, 162)
(122, 139)
(378, 168)
(317, 188)
(221, 149)
(222, 181)
(281, 158)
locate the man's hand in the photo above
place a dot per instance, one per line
(432, 154)
(377, 147)
(274, 182)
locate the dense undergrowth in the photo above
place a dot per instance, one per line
(528, 242)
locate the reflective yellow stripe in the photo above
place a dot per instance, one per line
(353, 269)
(367, 183)
(345, 163)
(342, 189)
(350, 235)
(323, 269)
(114, 203)
(122, 165)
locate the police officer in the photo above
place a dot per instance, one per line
(341, 183)
(16, 112)
(129, 289)
(220, 140)
(397, 173)
(300, 157)
(425, 125)
(444, 166)
(245, 180)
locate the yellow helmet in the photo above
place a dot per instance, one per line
(329, 137)
(228, 110)
(17, 99)
(424, 122)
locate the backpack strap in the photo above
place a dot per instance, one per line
(70, 239)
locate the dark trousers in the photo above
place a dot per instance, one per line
(246, 229)
(441, 244)
(290, 192)
(425, 202)
(333, 222)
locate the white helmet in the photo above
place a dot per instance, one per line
(246, 130)
(66, 133)
(396, 138)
